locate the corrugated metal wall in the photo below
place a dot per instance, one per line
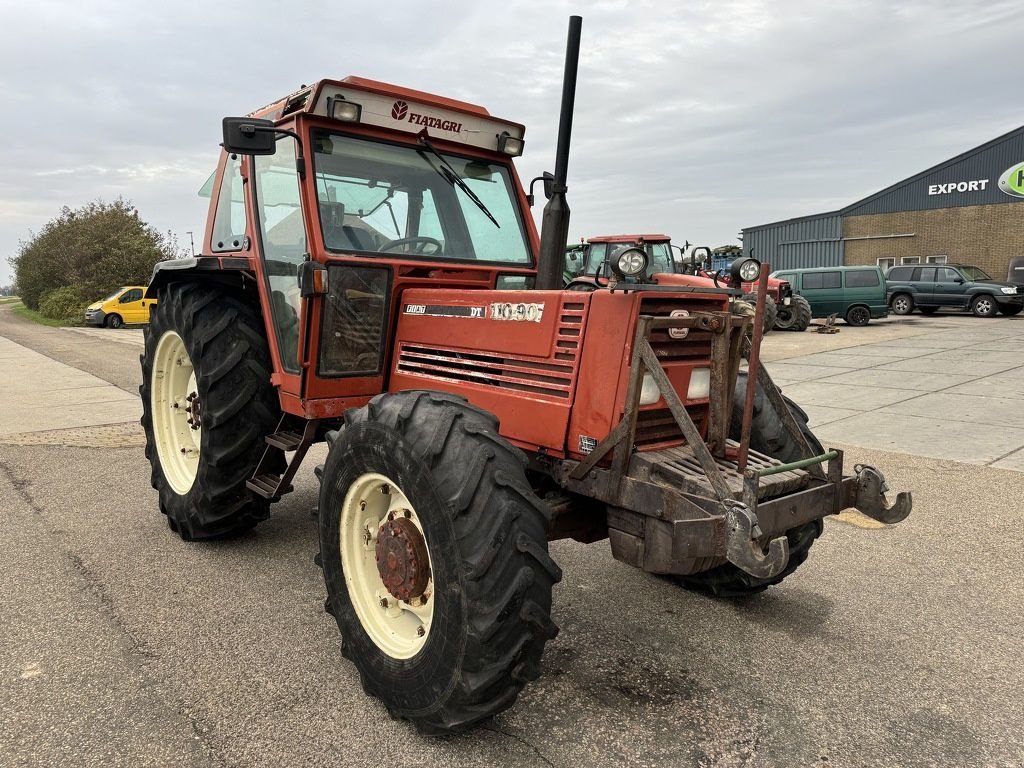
(812, 241)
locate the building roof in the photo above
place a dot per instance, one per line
(1009, 136)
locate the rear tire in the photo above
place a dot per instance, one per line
(984, 306)
(901, 304)
(1010, 311)
(796, 316)
(221, 338)
(484, 532)
(858, 316)
(768, 435)
(113, 321)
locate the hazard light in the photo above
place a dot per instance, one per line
(509, 144)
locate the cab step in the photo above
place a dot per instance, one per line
(268, 487)
(287, 441)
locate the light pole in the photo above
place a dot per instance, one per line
(192, 242)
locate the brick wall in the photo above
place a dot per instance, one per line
(984, 235)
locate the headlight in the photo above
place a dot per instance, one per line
(631, 262)
(746, 270)
(1008, 289)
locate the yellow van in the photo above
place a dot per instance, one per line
(125, 305)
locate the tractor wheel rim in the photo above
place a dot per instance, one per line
(387, 567)
(172, 391)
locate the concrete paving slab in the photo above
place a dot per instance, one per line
(786, 370)
(841, 359)
(876, 350)
(133, 336)
(1001, 385)
(935, 437)
(918, 380)
(973, 409)
(51, 395)
(848, 396)
(819, 415)
(949, 364)
(1014, 461)
(922, 342)
(982, 355)
(1008, 346)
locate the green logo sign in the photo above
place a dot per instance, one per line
(1012, 181)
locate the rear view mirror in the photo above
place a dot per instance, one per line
(549, 184)
(249, 136)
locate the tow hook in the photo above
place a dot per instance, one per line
(743, 548)
(871, 488)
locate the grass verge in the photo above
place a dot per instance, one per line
(9, 300)
(22, 311)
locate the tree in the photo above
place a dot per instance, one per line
(92, 249)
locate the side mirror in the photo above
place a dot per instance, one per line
(548, 180)
(249, 136)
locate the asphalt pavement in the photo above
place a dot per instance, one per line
(123, 645)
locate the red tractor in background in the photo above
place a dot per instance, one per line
(792, 311)
(588, 264)
(371, 277)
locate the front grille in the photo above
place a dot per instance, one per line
(657, 428)
(696, 345)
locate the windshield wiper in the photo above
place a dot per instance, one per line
(450, 175)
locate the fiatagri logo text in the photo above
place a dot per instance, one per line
(1012, 181)
(400, 111)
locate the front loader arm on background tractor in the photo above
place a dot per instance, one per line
(671, 510)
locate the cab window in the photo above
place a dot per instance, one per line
(135, 294)
(229, 218)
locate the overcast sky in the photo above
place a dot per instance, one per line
(694, 119)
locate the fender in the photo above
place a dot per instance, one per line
(234, 271)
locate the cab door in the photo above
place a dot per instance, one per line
(130, 306)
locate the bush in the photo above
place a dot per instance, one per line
(93, 249)
(65, 304)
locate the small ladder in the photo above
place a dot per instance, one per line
(265, 481)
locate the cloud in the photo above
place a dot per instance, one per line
(695, 119)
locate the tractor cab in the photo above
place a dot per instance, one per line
(605, 256)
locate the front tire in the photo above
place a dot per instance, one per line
(1010, 311)
(771, 310)
(984, 306)
(796, 316)
(113, 321)
(466, 633)
(207, 404)
(768, 435)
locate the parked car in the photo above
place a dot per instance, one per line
(856, 294)
(125, 305)
(930, 288)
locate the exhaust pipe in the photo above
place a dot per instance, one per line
(554, 231)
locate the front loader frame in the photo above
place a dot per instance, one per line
(683, 509)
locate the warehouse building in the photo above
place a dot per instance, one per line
(968, 209)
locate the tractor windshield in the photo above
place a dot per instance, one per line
(400, 200)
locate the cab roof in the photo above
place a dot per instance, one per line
(628, 238)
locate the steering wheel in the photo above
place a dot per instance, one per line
(419, 244)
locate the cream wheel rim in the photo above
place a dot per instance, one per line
(177, 412)
(377, 521)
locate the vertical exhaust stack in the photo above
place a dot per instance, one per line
(554, 231)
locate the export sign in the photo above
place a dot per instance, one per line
(1011, 182)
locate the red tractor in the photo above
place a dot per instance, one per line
(371, 277)
(791, 312)
(589, 265)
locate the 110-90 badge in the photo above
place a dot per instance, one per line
(526, 313)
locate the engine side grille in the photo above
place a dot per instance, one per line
(553, 378)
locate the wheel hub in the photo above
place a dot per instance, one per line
(402, 560)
